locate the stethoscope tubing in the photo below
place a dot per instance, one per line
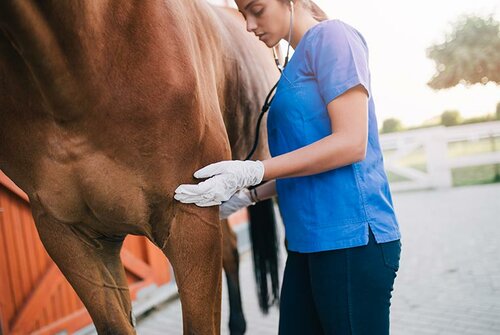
(270, 97)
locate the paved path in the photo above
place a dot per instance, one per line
(449, 280)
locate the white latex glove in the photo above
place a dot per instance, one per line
(225, 179)
(239, 200)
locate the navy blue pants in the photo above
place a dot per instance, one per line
(339, 292)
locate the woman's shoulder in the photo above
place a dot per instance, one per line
(334, 29)
(332, 26)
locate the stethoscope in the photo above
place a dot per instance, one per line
(270, 97)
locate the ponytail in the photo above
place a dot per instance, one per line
(317, 13)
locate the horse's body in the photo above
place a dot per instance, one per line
(105, 108)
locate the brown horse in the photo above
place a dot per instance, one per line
(105, 108)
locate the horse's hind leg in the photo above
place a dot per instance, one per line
(231, 262)
(193, 246)
(93, 267)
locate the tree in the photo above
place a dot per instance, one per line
(450, 118)
(469, 55)
(391, 125)
(498, 111)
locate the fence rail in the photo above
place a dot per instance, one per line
(438, 163)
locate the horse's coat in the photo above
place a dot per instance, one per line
(105, 108)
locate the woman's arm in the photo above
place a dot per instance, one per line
(265, 191)
(346, 145)
(245, 198)
(349, 144)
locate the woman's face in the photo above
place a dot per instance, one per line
(269, 20)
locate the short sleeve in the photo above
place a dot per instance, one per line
(338, 58)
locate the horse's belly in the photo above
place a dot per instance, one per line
(94, 190)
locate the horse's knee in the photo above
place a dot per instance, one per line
(114, 324)
(116, 329)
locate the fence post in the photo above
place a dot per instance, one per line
(436, 148)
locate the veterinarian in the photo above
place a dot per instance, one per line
(342, 234)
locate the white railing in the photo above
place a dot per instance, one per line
(438, 163)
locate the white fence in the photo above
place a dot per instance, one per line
(438, 163)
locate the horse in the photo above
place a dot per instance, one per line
(105, 108)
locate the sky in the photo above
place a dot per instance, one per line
(398, 34)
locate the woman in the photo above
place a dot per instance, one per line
(327, 170)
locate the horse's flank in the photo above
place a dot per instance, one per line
(105, 108)
(117, 102)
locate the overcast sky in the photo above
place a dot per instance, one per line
(398, 33)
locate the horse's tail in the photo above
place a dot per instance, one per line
(264, 239)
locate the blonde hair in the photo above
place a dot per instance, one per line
(316, 11)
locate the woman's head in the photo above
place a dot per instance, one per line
(270, 19)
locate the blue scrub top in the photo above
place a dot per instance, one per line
(333, 209)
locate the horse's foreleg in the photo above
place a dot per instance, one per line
(92, 265)
(231, 262)
(194, 248)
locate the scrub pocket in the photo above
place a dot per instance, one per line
(391, 251)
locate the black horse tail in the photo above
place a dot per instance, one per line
(264, 239)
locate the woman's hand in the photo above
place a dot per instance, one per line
(239, 200)
(225, 178)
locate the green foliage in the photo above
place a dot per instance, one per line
(478, 119)
(450, 118)
(391, 125)
(474, 175)
(469, 55)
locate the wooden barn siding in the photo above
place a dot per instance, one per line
(34, 296)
